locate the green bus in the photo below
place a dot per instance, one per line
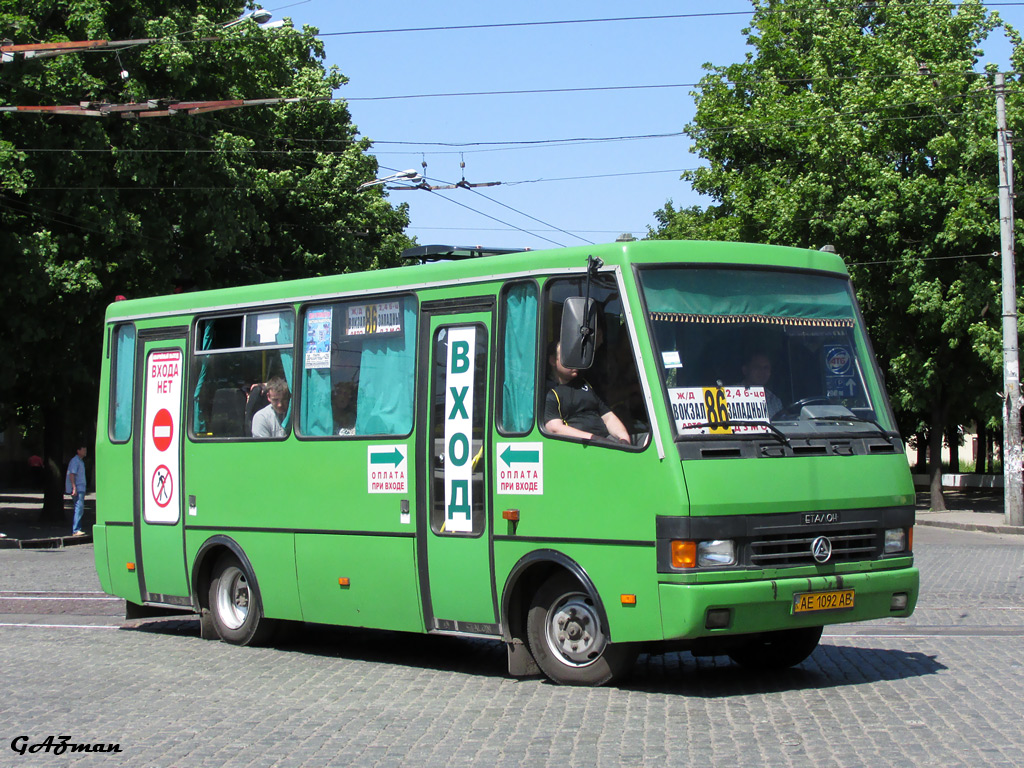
(580, 452)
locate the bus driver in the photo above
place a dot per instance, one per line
(572, 407)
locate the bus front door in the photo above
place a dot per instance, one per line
(159, 534)
(453, 493)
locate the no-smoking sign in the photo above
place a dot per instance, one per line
(162, 486)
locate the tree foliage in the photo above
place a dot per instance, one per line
(867, 126)
(95, 207)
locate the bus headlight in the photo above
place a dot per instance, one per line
(895, 540)
(716, 552)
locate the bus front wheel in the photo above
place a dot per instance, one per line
(567, 639)
(777, 650)
(235, 604)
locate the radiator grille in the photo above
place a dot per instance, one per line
(791, 549)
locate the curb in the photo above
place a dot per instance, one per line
(49, 542)
(978, 527)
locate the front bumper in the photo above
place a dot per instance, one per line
(767, 605)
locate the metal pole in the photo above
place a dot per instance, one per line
(1013, 452)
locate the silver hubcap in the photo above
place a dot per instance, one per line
(573, 631)
(233, 598)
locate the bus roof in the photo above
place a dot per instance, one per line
(504, 263)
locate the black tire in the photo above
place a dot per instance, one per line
(777, 650)
(235, 605)
(567, 639)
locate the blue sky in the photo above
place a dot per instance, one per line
(542, 200)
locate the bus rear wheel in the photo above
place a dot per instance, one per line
(235, 604)
(777, 650)
(567, 639)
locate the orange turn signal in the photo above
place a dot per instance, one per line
(684, 554)
(344, 582)
(131, 566)
(628, 599)
(511, 514)
(910, 539)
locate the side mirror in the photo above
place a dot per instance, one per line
(578, 335)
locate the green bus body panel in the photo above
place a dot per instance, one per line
(163, 560)
(272, 556)
(120, 550)
(765, 485)
(767, 605)
(99, 552)
(552, 261)
(382, 588)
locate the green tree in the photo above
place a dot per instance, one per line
(95, 207)
(866, 126)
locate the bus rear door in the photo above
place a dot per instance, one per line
(159, 533)
(453, 496)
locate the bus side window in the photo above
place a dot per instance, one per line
(233, 358)
(613, 376)
(122, 383)
(358, 368)
(518, 358)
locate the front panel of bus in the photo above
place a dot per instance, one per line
(800, 502)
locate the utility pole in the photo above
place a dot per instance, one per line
(1013, 452)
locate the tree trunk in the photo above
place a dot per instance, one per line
(921, 466)
(938, 501)
(953, 441)
(53, 488)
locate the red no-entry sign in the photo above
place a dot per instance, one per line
(163, 429)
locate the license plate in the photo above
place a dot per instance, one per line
(834, 600)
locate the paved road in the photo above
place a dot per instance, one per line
(941, 688)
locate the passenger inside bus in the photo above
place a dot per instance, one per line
(272, 420)
(573, 409)
(757, 371)
(343, 403)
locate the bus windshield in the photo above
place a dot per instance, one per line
(743, 347)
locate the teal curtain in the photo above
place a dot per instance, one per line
(124, 383)
(317, 419)
(746, 292)
(286, 335)
(387, 369)
(198, 420)
(519, 338)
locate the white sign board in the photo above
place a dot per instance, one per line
(387, 469)
(458, 430)
(520, 468)
(708, 410)
(161, 465)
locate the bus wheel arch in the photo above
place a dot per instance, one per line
(225, 586)
(540, 584)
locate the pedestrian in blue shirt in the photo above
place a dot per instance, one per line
(74, 484)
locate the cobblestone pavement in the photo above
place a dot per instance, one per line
(941, 688)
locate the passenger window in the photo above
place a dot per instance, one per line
(358, 368)
(122, 383)
(583, 400)
(242, 375)
(518, 358)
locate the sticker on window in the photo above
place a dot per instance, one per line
(380, 319)
(318, 339)
(712, 410)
